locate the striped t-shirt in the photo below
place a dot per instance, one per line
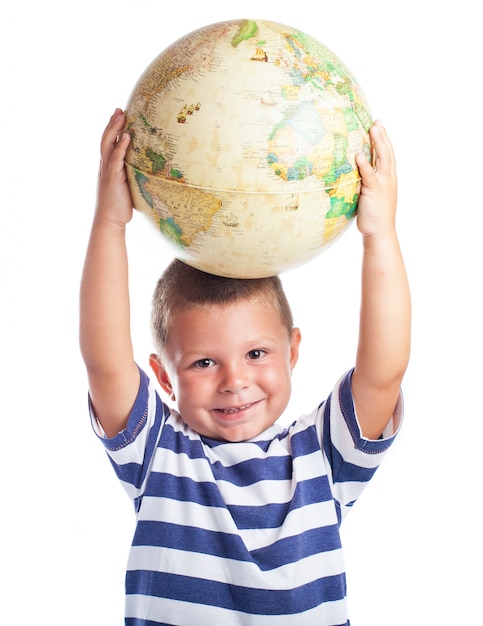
(241, 533)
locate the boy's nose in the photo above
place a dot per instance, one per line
(234, 378)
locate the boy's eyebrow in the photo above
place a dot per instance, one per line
(257, 342)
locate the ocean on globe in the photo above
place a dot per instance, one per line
(243, 142)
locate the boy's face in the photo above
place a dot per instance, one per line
(229, 368)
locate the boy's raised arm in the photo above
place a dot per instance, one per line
(385, 318)
(105, 336)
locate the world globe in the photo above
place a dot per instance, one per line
(243, 142)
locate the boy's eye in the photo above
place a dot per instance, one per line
(203, 363)
(255, 354)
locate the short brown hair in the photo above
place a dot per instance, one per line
(182, 287)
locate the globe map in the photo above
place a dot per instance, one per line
(243, 138)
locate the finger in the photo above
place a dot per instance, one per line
(366, 168)
(115, 121)
(382, 147)
(111, 134)
(119, 152)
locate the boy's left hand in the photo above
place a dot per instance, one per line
(376, 210)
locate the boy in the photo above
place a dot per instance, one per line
(238, 519)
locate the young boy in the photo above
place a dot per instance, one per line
(237, 518)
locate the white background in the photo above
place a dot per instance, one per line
(413, 541)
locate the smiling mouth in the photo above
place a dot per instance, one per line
(237, 409)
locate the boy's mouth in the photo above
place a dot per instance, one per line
(237, 409)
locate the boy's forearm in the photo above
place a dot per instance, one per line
(385, 322)
(105, 336)
(105, 310)
(384, 336)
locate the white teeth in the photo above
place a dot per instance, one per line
(240, 408)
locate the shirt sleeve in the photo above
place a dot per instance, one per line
(347, 409)
(352, 459)
(131, 451)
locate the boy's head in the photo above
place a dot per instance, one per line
(226, 348)
(182, 287)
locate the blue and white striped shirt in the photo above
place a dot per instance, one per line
(241, 533)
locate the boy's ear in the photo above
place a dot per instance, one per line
(161, 375)
(294, 346)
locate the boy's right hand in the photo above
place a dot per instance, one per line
(114, 202)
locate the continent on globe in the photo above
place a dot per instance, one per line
(243, 142)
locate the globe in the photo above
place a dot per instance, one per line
(243, 142)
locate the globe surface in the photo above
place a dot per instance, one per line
(243, 142)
